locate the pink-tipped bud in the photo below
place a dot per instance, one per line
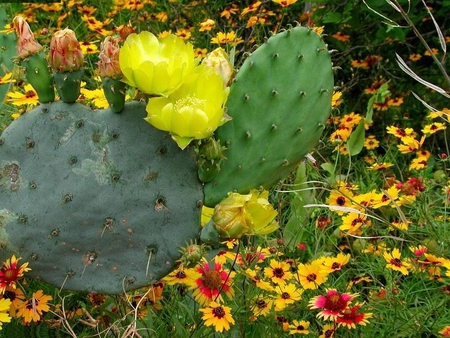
(108, 65)
(65, 51)
(26, 43)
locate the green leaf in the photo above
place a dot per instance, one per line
(356, 141)
(294, 230)
(332, 17)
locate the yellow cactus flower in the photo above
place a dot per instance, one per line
(194, 110)
(156, 66)
(250, 214)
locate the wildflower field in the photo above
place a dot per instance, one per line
(354, 242)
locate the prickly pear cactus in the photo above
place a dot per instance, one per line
(95, 201)
(279, 103)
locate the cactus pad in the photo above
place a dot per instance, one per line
(95, 201)
(279, 103)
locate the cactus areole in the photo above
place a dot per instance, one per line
(95, 201)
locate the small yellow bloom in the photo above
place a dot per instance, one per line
(395, 263)
(227, 38)
(19, 98)
(207, 25)
(156, 66)
(218, 316)
(433, 128)
(285, 3)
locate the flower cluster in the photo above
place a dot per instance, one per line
(191, 97)
(13, 300)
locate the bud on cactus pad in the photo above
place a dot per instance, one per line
(31, 56)
(279, 102)
(95, 201)
(66, 60)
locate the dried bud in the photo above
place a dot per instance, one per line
(26, 43)
(65, 51)
(219, 60)
(108, 65)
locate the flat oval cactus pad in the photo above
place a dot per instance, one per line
(95, 201)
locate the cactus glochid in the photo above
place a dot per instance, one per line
(103, 202)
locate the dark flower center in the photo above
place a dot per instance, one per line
(335, 303)
(335, 266)
(181, 275)
(285, 295)
(396, 262)
(9, 295)
(278, 272)
(218, 312)
(340, 200)
(212, 279)
(311, 277)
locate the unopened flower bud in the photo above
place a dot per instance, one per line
(108, 65)
(26, 43)
(239, 215)
(65, 52)
(219, 60)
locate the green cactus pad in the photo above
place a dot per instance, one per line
(279, 103)
(95, 201)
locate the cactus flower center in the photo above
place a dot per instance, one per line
(189, 101)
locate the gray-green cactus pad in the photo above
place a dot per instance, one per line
(95, 201)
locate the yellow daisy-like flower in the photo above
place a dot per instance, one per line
(433, 128)
(20, 98)
(310, 276)
(340, 198)
(410, 144)
(88, 47)
(207, 25)
(6, 79)
(227, 38)
(278, 272)
(251, 8)
(262, 306)
(218, 316)
(418, 163)
(96, 96)
(354, 224)
(370, 142)
(287, 294)
(182, 275)
(34, 308)
(299, 327)
(380, 166)
(332, 264)
(395, 263)
(285, 3)
(350, 120)
(4, 309)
